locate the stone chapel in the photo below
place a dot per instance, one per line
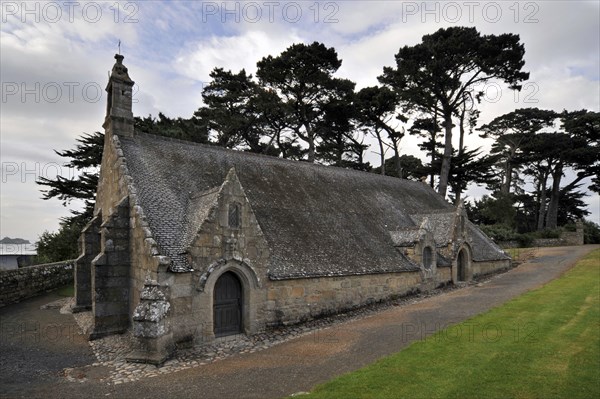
(193, 242)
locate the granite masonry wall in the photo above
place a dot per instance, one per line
(444, 275)
(567, 238)
(297, 300)
(89, 244)
(115, 185)
(217, 248)
(483, 268)
(27, 282)
(110, 275)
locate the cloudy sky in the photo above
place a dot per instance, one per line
(55, 57)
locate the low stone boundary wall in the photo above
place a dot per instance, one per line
(542, 242)
(567, 238)
(26, 282)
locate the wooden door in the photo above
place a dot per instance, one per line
(227, 315)
(461, 262)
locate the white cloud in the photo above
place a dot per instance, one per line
(233, 52)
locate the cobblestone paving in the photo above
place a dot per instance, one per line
(111, 351)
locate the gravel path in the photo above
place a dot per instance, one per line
(268, 365)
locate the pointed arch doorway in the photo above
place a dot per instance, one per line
(227, 305)
(461, 264)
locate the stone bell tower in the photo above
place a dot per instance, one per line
(119, 116)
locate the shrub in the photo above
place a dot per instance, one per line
(591, 232)
(549, 233)
(499, 232)
(525, 240)
(572, 227)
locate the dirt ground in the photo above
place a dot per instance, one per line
(36, 345)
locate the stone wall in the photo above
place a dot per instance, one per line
(483, 268)
(217, 248)
(293, 301)
(145, 258)
(114, 186)
(27, 282)
(113, 183)
(566, 239)
(89, 244)
(572, 237)
(444, 275)
(110, 275)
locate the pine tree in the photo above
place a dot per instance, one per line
(85, 159)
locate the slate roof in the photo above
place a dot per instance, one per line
(482, 247)
(441, 221)
(405, 237)
(317, 220)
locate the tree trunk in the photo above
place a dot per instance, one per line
(310, 136)
(433, 135)
(360, 159)
(461, 149)
(552, 214)
(311, 145)
(542, 201)
(381, 150)
(461, 142)
(505, 187)
(432, 175)
(270, 143)
(446, 158)
(508, 168)
(458, 196)
(397, 160)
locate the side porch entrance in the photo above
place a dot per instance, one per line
(227, 305)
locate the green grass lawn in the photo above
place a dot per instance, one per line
(543, 344)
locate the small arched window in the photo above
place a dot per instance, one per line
(427, 257)
(234, 216)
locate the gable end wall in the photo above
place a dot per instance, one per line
(215, 249)
(115, 184)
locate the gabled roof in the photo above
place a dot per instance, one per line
(442, 223)
(406, 237)
(317, 220)
(482, 247)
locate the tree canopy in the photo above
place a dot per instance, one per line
(297, 108)
(449, 66)
(302, 77)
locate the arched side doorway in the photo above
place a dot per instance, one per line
(427, 258)
(461, 265)
(227, 305)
